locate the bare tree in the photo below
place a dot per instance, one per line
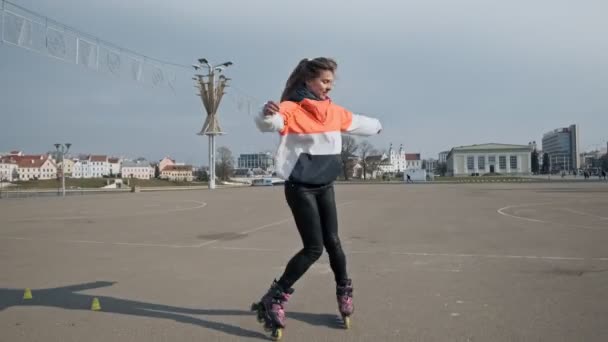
(535, 163)
(441, 168)
(546, 168)
(224, 165)
(604, 163)
(370, 161)
(349, 148)
(375, 160)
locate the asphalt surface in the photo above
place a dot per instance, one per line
(462, 262)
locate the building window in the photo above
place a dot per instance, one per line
(481, 162)
(513, 162)
(502, 160)
(470, 163)
(491, 159)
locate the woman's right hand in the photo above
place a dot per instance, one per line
(270, 108)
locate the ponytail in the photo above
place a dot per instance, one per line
(294, 80)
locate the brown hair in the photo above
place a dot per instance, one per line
(305, 70)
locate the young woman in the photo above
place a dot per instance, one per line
(308, 159)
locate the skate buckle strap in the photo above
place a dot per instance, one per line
(344, 290)
(280, 298)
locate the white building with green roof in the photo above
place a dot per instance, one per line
(490, 159)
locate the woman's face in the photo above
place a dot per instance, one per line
(321, 85)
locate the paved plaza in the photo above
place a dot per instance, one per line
(429, 262)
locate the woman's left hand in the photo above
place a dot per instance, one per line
(270, 108)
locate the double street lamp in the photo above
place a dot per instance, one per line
(62, 149)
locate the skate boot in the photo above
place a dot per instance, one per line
(271, 310)
(344, 296)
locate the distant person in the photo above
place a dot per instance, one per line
(604, 174)
(409, 179)
(310, 125)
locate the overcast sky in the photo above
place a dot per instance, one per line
(437, 73)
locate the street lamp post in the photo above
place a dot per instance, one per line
(63, 149)
(211, 90)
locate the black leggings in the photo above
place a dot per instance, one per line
(314, 211)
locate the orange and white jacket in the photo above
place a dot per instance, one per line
(311, 138)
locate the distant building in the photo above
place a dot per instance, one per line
(242, 173)
(69, 166)
(39, 166)
(431, 165)
(443, 156)
(165, 162)
(181, 173)
(391, 162)
(140, 169)
(413, 161)
(99, 166)
(264, 161)
(8, 171)
(490, 158)
(82, 169)
(42, 168)
(592, 159)
(398, 161)
(114, 166)
(562, 146)
(90, 166)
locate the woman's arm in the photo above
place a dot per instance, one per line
(269, 119)
(356, 124)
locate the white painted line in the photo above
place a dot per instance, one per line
(136, 244)
(584, 213)
(60, 218)
(81, 241)
(199, 205)
(248, 249)
(501, 211)
(486, 256)
(151, 245)
(452, 270)
(429, 254)
(370, 252)
(16, 238)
